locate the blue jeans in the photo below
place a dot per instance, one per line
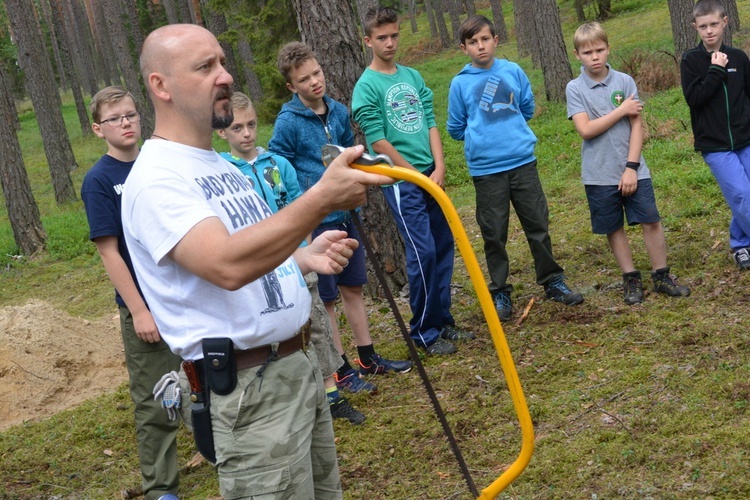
(429, 258)
(732, 171)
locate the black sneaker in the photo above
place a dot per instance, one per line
(450, 332)
(666, 283)
(340, 408)
(441, 347)
(504, 306)
(558, 291)
(378, 364)
(632, 287)
(742, 258)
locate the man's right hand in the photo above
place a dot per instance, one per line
(343, 187)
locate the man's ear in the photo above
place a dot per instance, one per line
(157, 83)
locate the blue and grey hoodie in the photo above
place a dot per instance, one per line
(299, 134)
(488, 110)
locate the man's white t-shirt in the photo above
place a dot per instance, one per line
(171, 188)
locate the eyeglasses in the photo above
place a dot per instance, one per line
(117, 120)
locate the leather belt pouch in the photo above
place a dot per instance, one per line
(220, 365)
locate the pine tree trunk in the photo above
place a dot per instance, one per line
(411, 8)
(77, 23)
(103, 44)
(170, 9)
(454, 16)
(527, 40)
(59, 65)
(255, 90)
(329, 27)
(121, 38)
(470, 9)
(445, 36)
(554, 56)
(23, 212)
(71, 73)
(431, 18)
(681, 17)
(501, 30)
(734, 20)
(40, 84)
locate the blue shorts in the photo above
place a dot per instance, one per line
(607, 205)
(354, 274)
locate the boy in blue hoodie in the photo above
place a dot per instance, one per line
(490, 101)
(274, 179)
(304, 124)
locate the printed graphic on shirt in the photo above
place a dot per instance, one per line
(497, 98)
(243, 207)
(273, 179)
(617, 97)
(404, 110)
(118, 189)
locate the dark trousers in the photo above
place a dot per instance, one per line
(429, 258)
(494, 194)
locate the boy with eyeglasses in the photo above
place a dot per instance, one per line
(147, 357)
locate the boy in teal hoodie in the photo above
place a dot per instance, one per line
(275, 180)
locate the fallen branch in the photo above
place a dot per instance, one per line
(525, 312)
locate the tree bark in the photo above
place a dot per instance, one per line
(681, 17)
(580, 13)
(455, 17)
(411, 8)
(734, 20)
(59, 66)
(254, 88)
(170, 9)
(554, 56)
(117, 21)
(22, 209)
(527, 40)
(604, 9)
(71, 73)
(501, 30)
(431, 18)
(470, 9)
(78, 27)
(40, 84)
(445, 36)
(103, 44)
(329, 27)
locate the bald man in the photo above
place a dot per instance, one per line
(216, 263)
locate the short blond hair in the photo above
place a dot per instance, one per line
(241, 101)
(589, 33)
(107, 95)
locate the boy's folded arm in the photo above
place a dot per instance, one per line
(697, 89)
(589, 129)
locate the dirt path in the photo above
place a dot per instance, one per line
(50, 361)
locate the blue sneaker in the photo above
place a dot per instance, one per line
(378, 364)
(352, 382)
(169, 496)
(558, 291)
(504, 306)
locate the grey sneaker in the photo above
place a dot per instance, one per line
(450, 332)
(742, 258)
(666, 283)
(441, 347)
(632, 287)
(558, 291)
(340, 408)
(504, 306)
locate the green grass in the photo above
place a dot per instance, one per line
(644, 401)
